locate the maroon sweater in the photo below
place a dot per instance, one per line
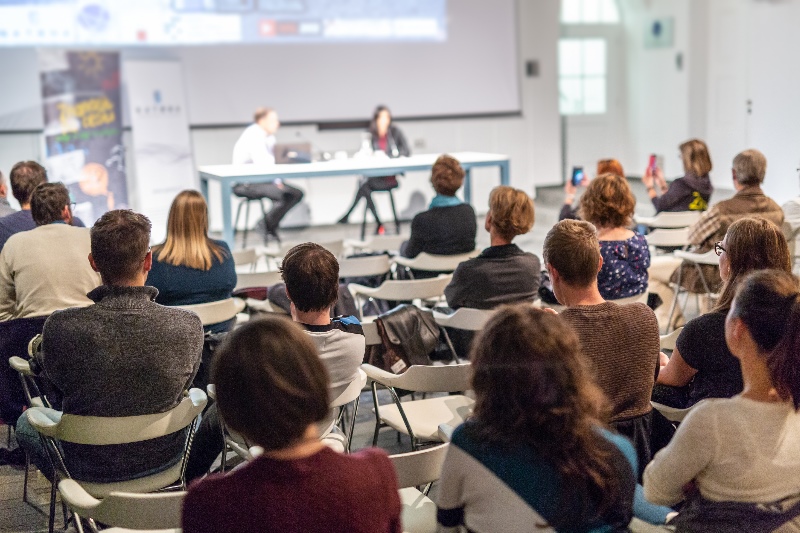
(327, 491)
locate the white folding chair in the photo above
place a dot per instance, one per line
(464, 318)
(126, 511)
(247, 257)
(257, 279)
(668, 341)
(377, 243)
(216, 312)
(351, 395)
(668, 238)
(670, 220)
(420, 419)
(56, 426)
(416, 469)
(692, 260)
(356, 267)
(402, 290)
(434, 263)
(673, 414)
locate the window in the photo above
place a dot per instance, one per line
(589, 12)
(582, 76)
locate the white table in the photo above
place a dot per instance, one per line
(228, 175)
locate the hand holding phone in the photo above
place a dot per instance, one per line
(577, 176)
(653, 163)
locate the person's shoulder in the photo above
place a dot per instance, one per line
(369, 458)
(348, 324)
(703, 322)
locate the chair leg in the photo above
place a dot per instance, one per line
(394, 213)
(25, 479)
(246, 224)
(52, 518)
(450, 345)
(377, 415)
(236, 220)
(352, 425)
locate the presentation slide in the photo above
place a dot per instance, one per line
(197, 22)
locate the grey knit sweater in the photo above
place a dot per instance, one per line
(123, 356)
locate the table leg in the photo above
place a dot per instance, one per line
(468, 185)
(505, 178)
(204, 187)
(227, 225)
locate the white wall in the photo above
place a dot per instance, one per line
(533, 141)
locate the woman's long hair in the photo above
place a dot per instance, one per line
(752, 243)
(187, 243)
(532, 389)
(373, 124)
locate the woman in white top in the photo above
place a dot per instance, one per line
(746, 448)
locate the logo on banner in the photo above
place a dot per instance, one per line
(157, 106)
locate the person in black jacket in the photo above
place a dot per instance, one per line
(448, 227)
(387, 138)
(693, 191)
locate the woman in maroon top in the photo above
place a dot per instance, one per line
(386, 138)
(273, 389)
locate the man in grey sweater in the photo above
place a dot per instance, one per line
(123, 356)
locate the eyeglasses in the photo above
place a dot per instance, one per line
(72, 206)
(718, 249)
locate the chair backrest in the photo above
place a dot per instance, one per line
(464, 318)
(378, 243)
(245, 257)
(668, 341)
(708, 258)
(419, 468)
(335, 247)
(436, 263)
(152, 511)
(436, 378)
(216, 312)
(352, 391)
(668, 237)
(672, 220)
(412, 289)
(356, 267)
(257, 279)
(100, 430)
(371, 334)
(29, 387)
(673, 414)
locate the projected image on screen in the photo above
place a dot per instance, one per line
(177, 22)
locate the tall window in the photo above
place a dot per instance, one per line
(582, 67)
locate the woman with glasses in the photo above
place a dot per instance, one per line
(189, 267)
(702, 366)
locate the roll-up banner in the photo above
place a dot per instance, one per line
(162, 147)
(83, 129)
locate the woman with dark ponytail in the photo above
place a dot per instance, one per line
(743, 454)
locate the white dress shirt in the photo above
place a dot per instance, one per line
(255, 146)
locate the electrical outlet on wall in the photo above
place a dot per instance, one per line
(420, 144)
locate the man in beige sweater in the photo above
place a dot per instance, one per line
(621, 342)
(46, 269)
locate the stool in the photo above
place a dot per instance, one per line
(246, 203)
(394, 214)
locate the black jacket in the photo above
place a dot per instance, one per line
(442, 231)
(396, 145)
(689, 193)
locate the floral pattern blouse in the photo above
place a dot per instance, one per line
(625, 264)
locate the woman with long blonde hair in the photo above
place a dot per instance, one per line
(189, 267)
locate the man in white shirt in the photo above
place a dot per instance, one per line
(45, 269)
(5, 207)
(256, 146)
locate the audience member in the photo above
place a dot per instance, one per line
(609, 204)
(123, 356)
(693, 191)
(502, 273)
(44, 269)
(570, 209)
(25, 176)
(272, 388)
(791, 224)
(739, 455)
(448, 227)
(189, 267)
(534, 454)
(311, 275)
(621, 342)
(256, 146)
(5, 207)
(701, 361)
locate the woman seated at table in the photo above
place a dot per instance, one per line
(272, 388)
(189, 267)
(535, 456)
(702, 365)
(736, 459)
(386, 138)
(608, 203)
(449, 226)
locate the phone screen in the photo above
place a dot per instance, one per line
(653, 164)
(577, 175)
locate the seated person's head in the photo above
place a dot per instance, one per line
(749, 168)
(25, 176)
(270, 383)
(696, 159)
(572, 255)
(447, 176)
(531, 389)
(3, 186)
(608, 202)
(510, 213)
(50, 203)
(764, 323)
(121, 247)
(187, 242)
(752, 243)
(311, 275)
(610, 166)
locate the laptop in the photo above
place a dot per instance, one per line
(288, 153)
